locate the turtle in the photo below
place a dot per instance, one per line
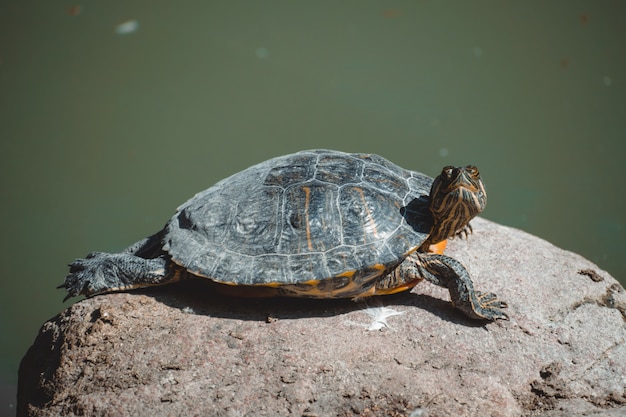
(317, 224)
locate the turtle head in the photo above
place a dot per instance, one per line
(456, 197)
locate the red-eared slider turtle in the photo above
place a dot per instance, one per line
(320, 223)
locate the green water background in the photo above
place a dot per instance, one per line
(103, 134)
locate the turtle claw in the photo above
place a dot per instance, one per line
(482, 306)
(490, 307)
(75, 282)
(67, 296)
(464, 232)
(490, 299)
(90, 275)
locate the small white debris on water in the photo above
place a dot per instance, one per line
(443, 152)
(262, 53)
(607, 80)
(127, 27)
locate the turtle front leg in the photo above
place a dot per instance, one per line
(107, 272)
(446, 272)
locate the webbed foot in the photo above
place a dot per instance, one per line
(481, 305)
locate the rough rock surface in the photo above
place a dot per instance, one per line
(180, 350)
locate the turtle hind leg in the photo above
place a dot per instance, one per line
(150, 247)
(107, 272)
(445, 272)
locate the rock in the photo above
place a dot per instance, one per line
(181, 350)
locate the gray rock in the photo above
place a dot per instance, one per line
(181, 350)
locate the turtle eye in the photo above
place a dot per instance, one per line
(447, 171)
(472, 170)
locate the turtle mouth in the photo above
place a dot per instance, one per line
(465, 202)
(460, 185)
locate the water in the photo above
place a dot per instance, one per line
(113, 114)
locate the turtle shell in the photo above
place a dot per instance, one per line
(307, 217)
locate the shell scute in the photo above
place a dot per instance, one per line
(337, 169)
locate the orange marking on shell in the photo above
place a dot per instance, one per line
(379, 267)
(307, 199)
(347, 274)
